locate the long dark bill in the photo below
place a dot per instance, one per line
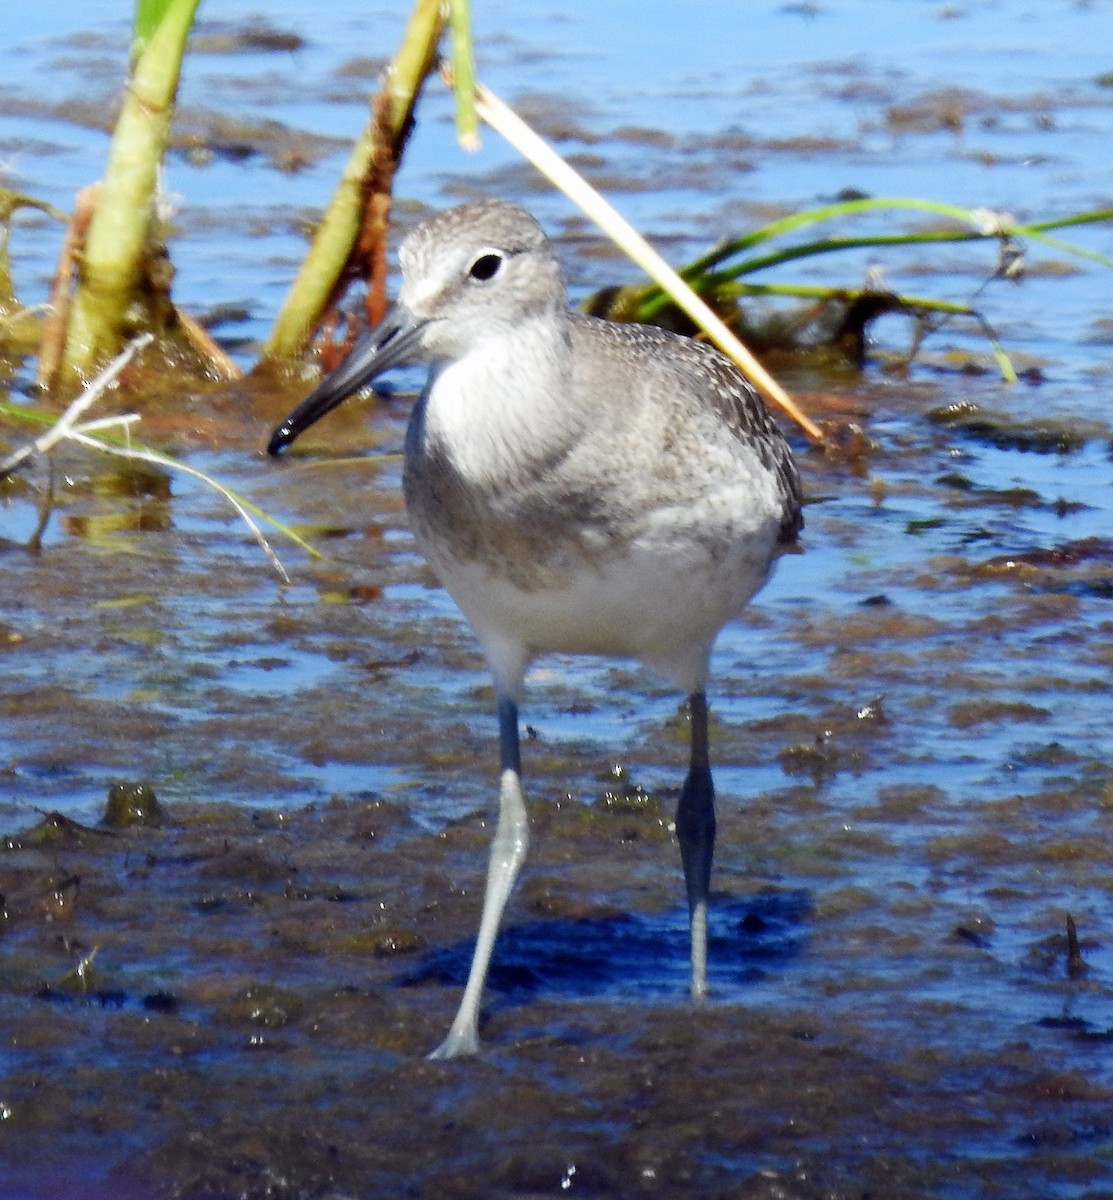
(390, 344)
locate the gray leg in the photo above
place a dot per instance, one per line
(695, 828)
(508, 851)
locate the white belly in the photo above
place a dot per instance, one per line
(660, 602)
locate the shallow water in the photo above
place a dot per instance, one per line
(911, 724)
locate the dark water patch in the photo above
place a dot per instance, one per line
(618, 956)
(215, 37)
(153, 1002)
(1006, 433)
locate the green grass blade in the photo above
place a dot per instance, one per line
(804, 291)
(980, 227)
(1064, 246)
(381, 142)
(1093, 217)
(912, 303)
(702, 270)
(815, 216)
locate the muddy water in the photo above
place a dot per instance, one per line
(231, 995)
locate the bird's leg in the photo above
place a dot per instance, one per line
(695, 829)
(508, 851)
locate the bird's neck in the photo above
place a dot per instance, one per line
(505, 403)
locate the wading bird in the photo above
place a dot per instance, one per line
(578, 486)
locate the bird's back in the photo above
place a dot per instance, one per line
(681, 418)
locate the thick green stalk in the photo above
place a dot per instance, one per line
(146, 19)
(112, 265)
(366, 181)
(463, 74)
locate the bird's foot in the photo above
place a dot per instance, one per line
(459, 1044)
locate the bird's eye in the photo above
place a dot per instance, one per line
(486, 266)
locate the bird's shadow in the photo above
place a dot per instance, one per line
(630, 956)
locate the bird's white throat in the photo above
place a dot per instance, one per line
(504, 403)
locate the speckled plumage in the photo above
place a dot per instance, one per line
(578, 486)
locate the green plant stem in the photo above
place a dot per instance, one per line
(112, 265)
(145, 20)
(375, 153)
(463, 74)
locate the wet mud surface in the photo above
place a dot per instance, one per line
(235, 998)
(225, 987)
(262, 987)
